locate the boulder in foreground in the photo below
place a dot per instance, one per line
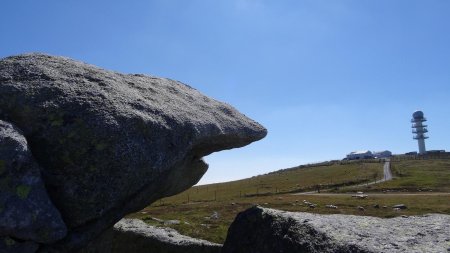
(262, 230)
(108, 144)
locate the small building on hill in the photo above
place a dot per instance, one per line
(382, 154)
(436, 151)
(357, 155)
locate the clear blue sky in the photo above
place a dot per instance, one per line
(324, 77)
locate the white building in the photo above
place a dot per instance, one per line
(382, 154)
(357, 155)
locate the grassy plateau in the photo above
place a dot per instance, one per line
(207, 211)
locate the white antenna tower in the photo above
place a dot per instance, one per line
(419, 130)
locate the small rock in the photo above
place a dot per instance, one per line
(205, 225)
(331, 206)
(376, 206)
(307, 202)
(360, 196)
(215, 215)
(157, 220)
(400, 206)
(360, 208)
(171, 222)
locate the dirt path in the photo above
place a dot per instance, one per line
(387, 175)
(387, 170)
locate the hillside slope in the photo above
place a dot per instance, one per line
(207, 211)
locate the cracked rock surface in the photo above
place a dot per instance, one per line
(106, 144)
(266, 230)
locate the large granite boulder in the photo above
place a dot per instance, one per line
(262, 230)
(133, 235)
(108, 144)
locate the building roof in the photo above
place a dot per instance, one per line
(384, 151)
(360, 152)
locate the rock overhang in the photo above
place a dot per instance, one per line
(105, 139)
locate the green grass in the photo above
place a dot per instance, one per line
(298, 179)
(418, 176)
(195, 206)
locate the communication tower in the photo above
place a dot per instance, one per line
(419, 130)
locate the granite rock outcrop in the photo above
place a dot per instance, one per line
(108, 144)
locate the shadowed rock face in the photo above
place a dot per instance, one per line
(108, 144)
(26, 211)
(263, 230)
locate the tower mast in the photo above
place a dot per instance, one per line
(419, 130)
